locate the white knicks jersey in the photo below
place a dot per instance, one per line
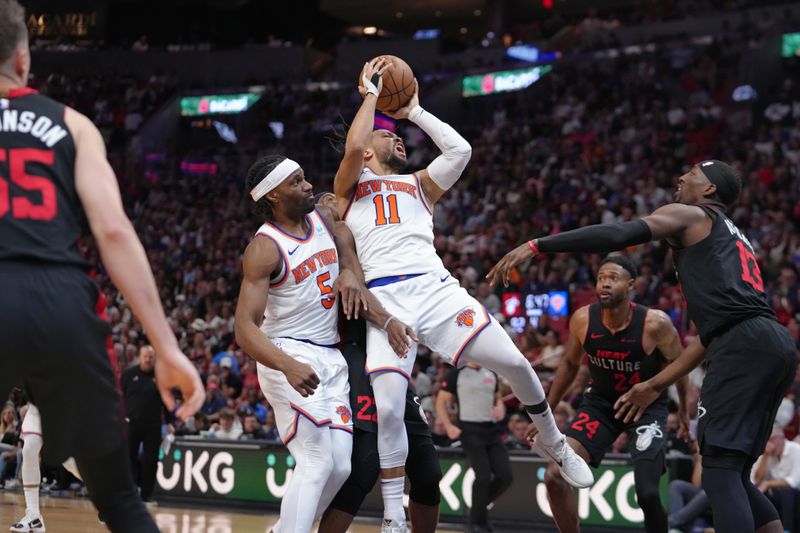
(301, 304)
(392, 225)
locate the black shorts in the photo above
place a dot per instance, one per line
(54, 344)
(595, 427)
(422, 468)
(750, 369)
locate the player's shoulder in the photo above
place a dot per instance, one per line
(656, 321)
(580, 315)
(79, 124)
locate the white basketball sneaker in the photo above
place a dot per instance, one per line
(29, 524)
(573, 468)
(393, 526)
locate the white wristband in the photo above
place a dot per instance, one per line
(370, 87)
(386, 324)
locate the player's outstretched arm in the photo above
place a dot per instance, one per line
(261, 259)
(126, 262)
(358, 135)
(667, 222)
(444, 171)
(632, 404)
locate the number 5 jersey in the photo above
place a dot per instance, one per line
(301, 304)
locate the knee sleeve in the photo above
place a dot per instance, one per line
(31, 472)
(390, 397)
(495, 350)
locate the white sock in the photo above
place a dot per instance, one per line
(392, 490)
(549, 434)
(32, 502)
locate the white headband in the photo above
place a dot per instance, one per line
(284, 169)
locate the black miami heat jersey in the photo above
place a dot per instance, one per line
(720, 278)
(617, 361)
(41, 217)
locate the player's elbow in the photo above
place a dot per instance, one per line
(113, 231)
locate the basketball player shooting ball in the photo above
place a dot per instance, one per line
(752, 358)
(389, 214)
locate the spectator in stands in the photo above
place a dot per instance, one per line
(270, 430)
(215, 400)
(687, 500)
(252, 404)
(252, 429)
(777, 474)
(551, 353)
(517, 427)
(228, 427)
(9, 445)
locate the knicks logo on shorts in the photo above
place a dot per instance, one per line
(344, 413)
(466, 318)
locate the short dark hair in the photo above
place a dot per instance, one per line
(622, 261)
(258, 171)
(12, 27)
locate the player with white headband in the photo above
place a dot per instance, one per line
(287, 320)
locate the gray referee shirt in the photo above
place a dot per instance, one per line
(474, 388)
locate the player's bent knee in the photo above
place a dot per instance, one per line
(553, 479)
(425, 493)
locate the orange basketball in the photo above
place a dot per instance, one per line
(398, 85)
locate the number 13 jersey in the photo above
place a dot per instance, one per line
(720, 278)
(301, 304)
(392, 225)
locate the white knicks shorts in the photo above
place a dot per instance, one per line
(328, 406)
(442, 314)
(32, 423)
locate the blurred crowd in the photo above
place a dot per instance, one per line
(599, 142)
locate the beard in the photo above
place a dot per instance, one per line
(612, 301)
(396, 163)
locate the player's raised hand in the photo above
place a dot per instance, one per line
(352, 293)
(371, 76)
(402, 113)
(301, 377)
(502, 270)
(174, 370)
(631, 405)
(400, 337)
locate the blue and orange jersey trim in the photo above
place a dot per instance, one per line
(294, 238)
(475, 333)
(342, 428)
(298, 412)
(422, 195)
(350, 203)
(369, 372)
(280, 281)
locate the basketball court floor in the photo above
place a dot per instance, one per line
(74, 515)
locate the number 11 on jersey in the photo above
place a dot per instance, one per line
(380, 210)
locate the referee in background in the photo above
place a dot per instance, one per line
(143, 411)
(480, 407)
